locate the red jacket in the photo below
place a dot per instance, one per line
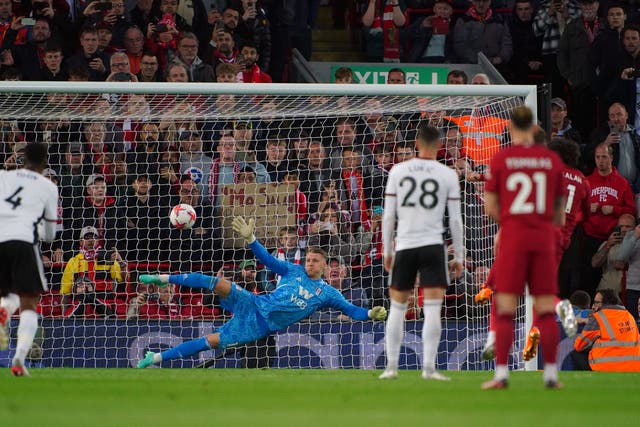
(612, 190)
(255, 75)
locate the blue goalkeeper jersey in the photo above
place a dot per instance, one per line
(297, 296)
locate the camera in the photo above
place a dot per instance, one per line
(219, 25)
(636, 73)
(28, 22)
(162, 28)
(122, 77)
(617, 229)
(104, 6)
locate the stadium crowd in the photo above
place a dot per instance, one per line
(118, 179)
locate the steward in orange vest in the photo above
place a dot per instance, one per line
(611, 337)
(482, 136)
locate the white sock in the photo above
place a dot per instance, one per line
(26, 331)
(11, 302)
(502, 372)
(550, 372)
(393, 333)
(431, 331)
(491, 338)
(157, 358)
(164, 278)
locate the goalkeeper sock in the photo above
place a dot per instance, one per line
(194, 281)
(186, 349)
(11, 303)
(431, 331)
(394, 332)
(26, 331)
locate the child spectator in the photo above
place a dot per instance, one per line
(431, 37)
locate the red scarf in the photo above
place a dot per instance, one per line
(251, 76)
(214, 178)
(226, 59)
(474, 14)
(390, 33)
(346, 177)
(591, 33)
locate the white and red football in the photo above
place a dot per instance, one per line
(183, 216)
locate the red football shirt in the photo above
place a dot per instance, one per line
(527, 180)
(578, 207)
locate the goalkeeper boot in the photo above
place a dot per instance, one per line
(495, 384)
(4, 328)
(161, 280)
(18, 369)
(483, 296)
(564, 310)
(147, 361)
(531, 347)
(389, 374)
(434, 375)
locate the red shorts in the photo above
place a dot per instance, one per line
(518, 264)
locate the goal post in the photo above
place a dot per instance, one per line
(309, 162)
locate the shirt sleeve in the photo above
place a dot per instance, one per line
(389, 215)
(277, 266)
(338, 302)
(51, 214)
(455, 219)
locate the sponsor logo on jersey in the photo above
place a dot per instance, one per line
(318, 291)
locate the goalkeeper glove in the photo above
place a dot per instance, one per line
(483, 296)
(244, 229)
(378, 313)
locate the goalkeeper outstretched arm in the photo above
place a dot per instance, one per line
(246, 230)
(339, 302)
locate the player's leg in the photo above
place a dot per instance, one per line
(403, 277)
(27, 328)
(506, 304)
(220, 286)
(8, 306)
(489, 349)
(431, 332)
(186, 349)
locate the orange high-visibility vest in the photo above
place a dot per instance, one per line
(616, 345)
(482, 136)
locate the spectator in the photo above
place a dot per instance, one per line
(188, 56)
(226, 73)
(177, 73)
(141, 14)
(611, 196)
(405, 151)
(276, 163)
(608, 255)
(373, 277)
(26, 55)
(344, 75)
(457, 77)
(480, 30)
(629, 253)
(527, 47)
(248, 277)
(196, 248)
(575, 66)
(162, 39)
(624, 87)
(53, 69)
(89, 58)
(396, 76)
(225, 51)
(329, 233)
(104, 38)
(168, 12)
(168, 305)
(134, 46)
(144, 293)
(480, 79)
(149, 68)
(382, 22)
(92, 266)
(193, 162)
(315, 173)
(561, 125)
(624, 142)
(346, 137)
(549, 23)
(254, 27)
(605, 54)
(144, 157)
(581, 303)
(431, 37)
(120, 69)
(609, 340)
(252, 72)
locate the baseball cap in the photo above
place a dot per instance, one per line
(247, 263)
(93, 178)
(48, 173)
(559, 102)
(88, 230)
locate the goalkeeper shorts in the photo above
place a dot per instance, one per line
(246, 325)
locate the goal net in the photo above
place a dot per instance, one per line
(308, 162)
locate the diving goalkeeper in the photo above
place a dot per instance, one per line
(299, 294)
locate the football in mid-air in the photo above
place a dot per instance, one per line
(182, 216)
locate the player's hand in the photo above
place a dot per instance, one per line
(607, 209)
(378, 313)
(388, 263)
(244, 229)
(455, 269)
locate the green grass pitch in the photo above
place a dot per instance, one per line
(328, 398)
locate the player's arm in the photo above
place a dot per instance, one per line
(338, 302)
(455, 222)
(627, 247)
(51, 215)
(491, 205)
(245, 230)
(559, 214)
(389, 222)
